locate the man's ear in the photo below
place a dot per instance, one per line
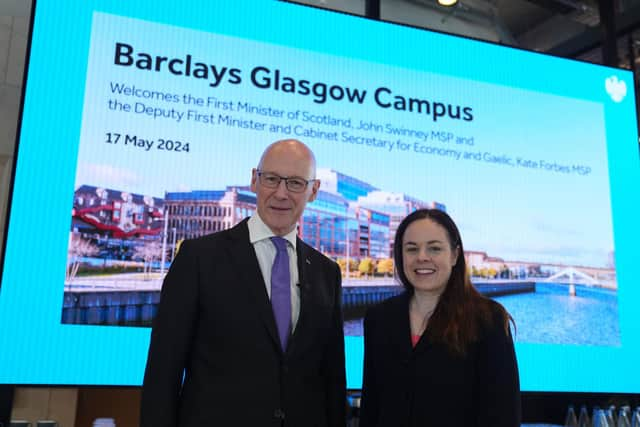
(314, 190)
(254, 179)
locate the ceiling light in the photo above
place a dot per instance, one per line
(447, 2)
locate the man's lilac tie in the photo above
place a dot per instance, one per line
(281, 290)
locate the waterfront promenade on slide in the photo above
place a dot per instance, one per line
(544, 312)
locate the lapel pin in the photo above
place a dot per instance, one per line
(308, 262)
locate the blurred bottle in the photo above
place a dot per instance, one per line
(611, 415)
(571, 420)
(593, 413)
(355, 411)
(583, 418)
(600, 418)
(635, 418)
(623, 418)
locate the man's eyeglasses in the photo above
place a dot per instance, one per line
(294, 184)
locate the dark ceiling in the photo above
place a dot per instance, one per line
(567, 28)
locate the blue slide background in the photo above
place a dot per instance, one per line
(38, 349)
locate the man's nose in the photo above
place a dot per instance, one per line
(281, 189)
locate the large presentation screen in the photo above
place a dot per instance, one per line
(142, 121)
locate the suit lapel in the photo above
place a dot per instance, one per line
(400, 328)
(243, 256)
(422, 344)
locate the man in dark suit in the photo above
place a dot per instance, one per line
(225, 351)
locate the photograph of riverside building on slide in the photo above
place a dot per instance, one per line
(121, 245)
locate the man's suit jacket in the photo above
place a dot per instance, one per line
(215, 328)
(427, 385)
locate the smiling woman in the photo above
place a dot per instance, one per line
(440, 353)
(428, 259)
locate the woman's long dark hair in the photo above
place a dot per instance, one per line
(461, 309)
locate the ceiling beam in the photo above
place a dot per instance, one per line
(372, 9)
(608, 27)
(554, 6)
(473, 13)
(592, 38)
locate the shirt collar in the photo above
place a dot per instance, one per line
(258, 231)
